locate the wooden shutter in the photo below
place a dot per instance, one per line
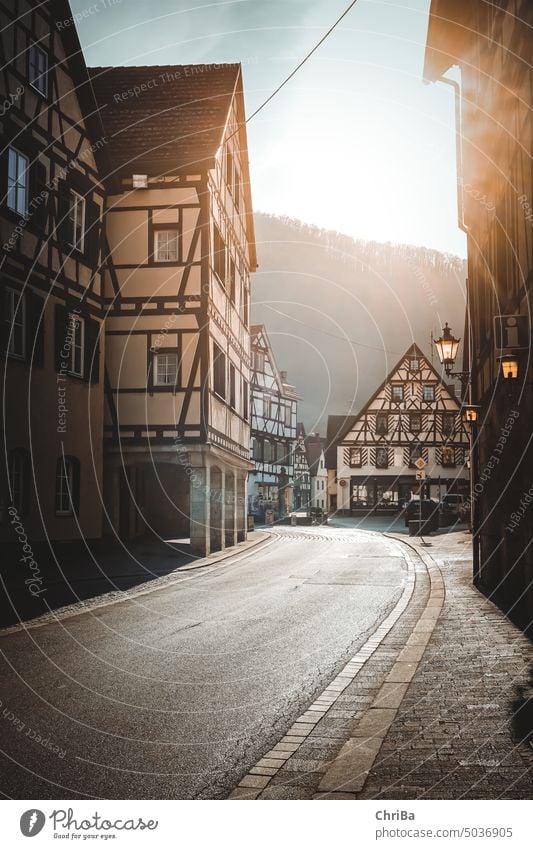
(92, 351)
(35, 318)
(60, 332)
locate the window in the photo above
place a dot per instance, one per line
(67, 486)
(166, 245)
(259, 361)
(232, 386)
(76, 340)
(288, 416)
(415, 454)
(397, 392)
(219, 256)
(38, 69)
(166, 369)
(268, 452)
(428, 392)
(19, 480)
(257, 450)
(140, 181)
(17, 181)
(382, 460)
(245, 399)
(232, 279)
(219, 371)
(382, 423)
(448, 456)
(448, 422)
(267, 407)
(229, 170)
(15, 323)
(415, 422)
(414, 364)
(76, 217)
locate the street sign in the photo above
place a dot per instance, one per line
(420, 464)
(420, 475)
(511, 332)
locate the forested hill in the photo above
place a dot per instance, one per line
(340, 312)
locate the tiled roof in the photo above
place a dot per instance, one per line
(164, 118)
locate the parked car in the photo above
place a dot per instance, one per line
(448, 514)
(453, 501)
(430, 512)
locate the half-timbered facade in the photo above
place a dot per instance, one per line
(302, 478)
(274, 410)
(492, 45)
(412, 415)
(51, 202)
(179, 252)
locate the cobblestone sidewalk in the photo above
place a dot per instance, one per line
(447, 729)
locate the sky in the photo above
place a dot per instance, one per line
(355, 142)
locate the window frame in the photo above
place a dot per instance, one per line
(67, 465)
(384, 452)
(245, 389)
(155, 368)
(428, 386)
(453, 461)
(382, 418)
(219, 371)
(414, 360)
(352, 463)
(15, 306)
(74, 224)
(448, 423)
(288, 416)
(36, 50)
(419, 454)
(158, 233)
(78, 323)
(397, 387)
(232, 386)
(16, 184)
(219, 255)
(412, 417)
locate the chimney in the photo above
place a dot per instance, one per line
(283, 375)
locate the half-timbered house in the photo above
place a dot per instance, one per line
(51, 202)
(179, 252)
(302, 479)
(412, 415)
(274, 410)
(318, 473)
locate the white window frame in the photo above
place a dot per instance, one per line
(64, 487)
(76, 214)
(400, 387)
(414, 360)
(15, 316)
(161, 251)
(38, 76)
(76, 327)
(17, 181)
(288, 416)
(170, 376)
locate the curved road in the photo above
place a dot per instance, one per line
(176, 693)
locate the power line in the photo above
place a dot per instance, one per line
(297, 68)
(334, 335)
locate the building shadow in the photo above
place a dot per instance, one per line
(58, 574)
(522, 711)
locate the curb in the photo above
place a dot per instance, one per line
(348, 773)
(120, 596)
(260, 775)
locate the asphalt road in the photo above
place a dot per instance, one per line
(175, 694)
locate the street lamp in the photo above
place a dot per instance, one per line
(470, 413)
(510, 367)
(447, 347)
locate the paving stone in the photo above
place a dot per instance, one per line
(390, 695)
(243, 793)
(401, 672)
(374, 723)
(349, 770)
(256, 782)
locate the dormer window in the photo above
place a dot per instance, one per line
(140, 181)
